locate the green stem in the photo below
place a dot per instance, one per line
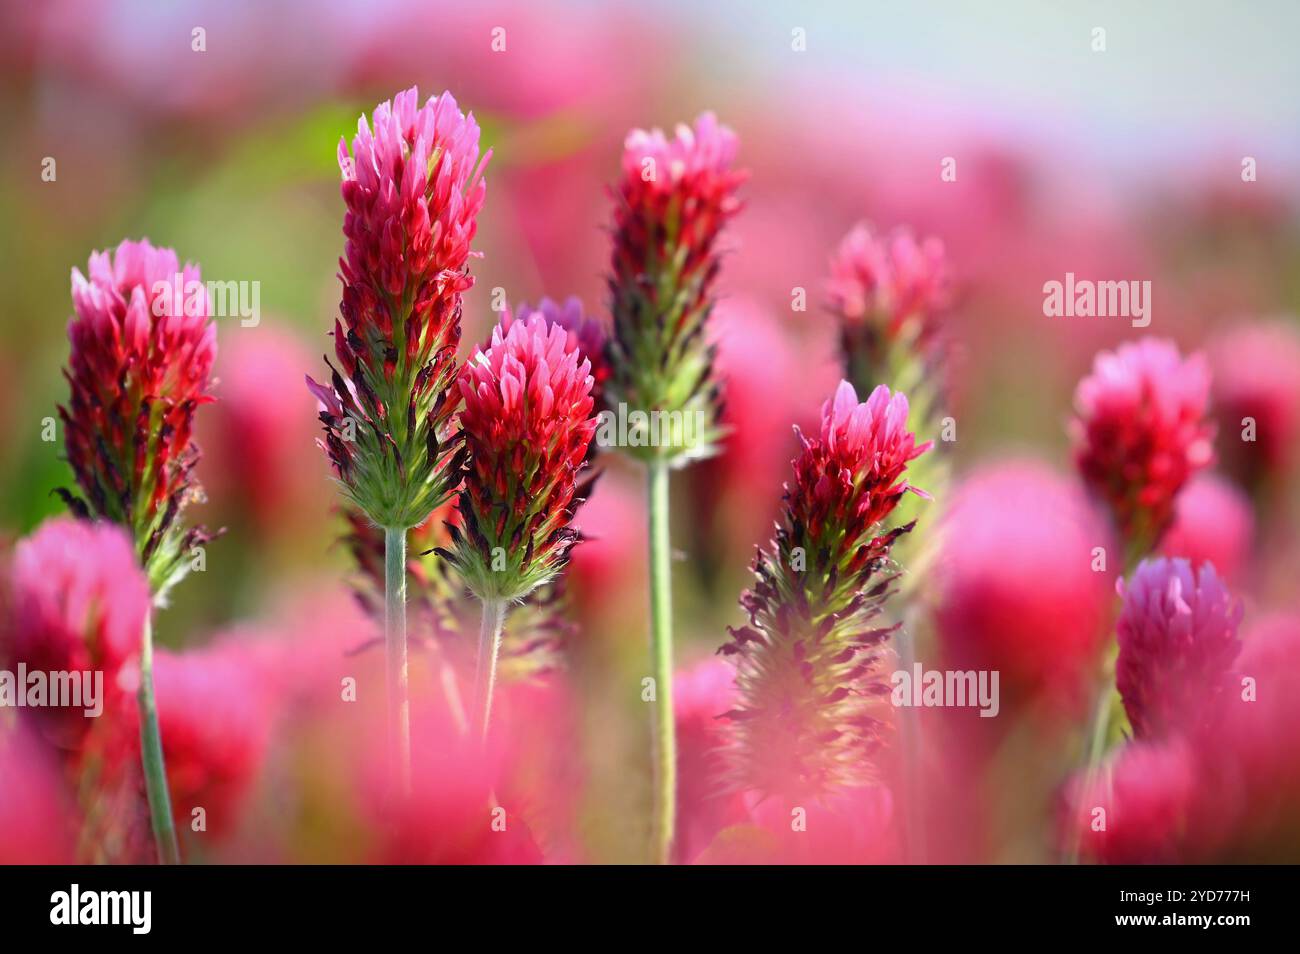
(663, 735)
(151, 757)
(485, 673)
(1098, 735)
(397, 673)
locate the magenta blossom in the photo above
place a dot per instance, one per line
(1177, 640)
(77, 601)
(808, 664)
(1141, 433)
(143, 346)
(672, 202)
(528, 423)
(413, 189)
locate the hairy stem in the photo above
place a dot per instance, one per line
(397, 671)
(151, 757)
(663, 733)
(485, 673)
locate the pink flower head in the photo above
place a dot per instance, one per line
(215, 716)
(1148, 793)
(1177, 640)
(673, 199)
(1017, 586)
(1141, 433)
(1213, 522)
(143, 347)
(1255, 381)
(852, 477)
(527, 422)
(448, 820)
(77, 601)
(413, 189)
(585, 332)
(887, 281)
(808, 661)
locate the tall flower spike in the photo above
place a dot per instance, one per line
(1141, 433)
(672, 202)
(413, 188)
(1177, 641)
(887, 292)
(527, 422)
(812, 703)
(143, 346)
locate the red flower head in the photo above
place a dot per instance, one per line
(1213, 522)
(77, 602)
(528, 423)
(1015, 585)
(142, 353)
(215, 716)
(808, 662)
(1148, 793)
(413, 189)
(1177, 640)
(585, 332)
(1141, 433)
(674, 197)
(887, 292)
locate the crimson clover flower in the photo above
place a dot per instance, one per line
(887, 292)
(528, 422)
(1177, 642)
(143, 346)
(413, 187)
(808, 662)
(1141, 433)
(673, 199)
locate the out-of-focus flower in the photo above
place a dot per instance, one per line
(1177, 640)
(143, 347)
(77, 602)
(527, 422)
(769, 382)
(1255, 378)
(413, 189)
(1138, 808)
(1141, 433)
(886, 291)
(215, 714)
(701, 695)
(1015, 581)
(451, 817)
(1251, 752)
(1213, 523)
(673, 199)
(37, 826)
(807, 663)
(257, 434)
